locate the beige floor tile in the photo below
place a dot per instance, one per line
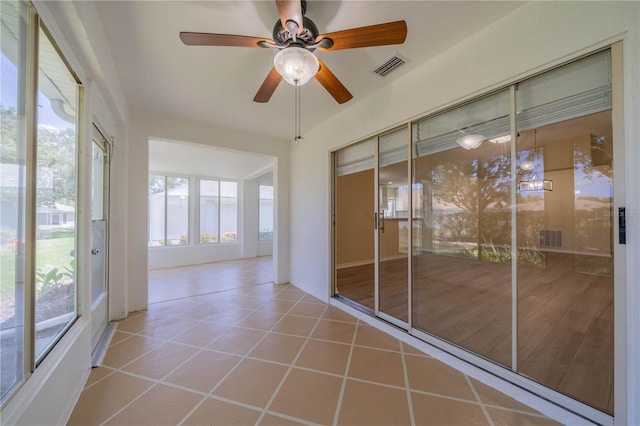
(276, 305)
(430, 375)
(273, 420)
(307, 309)
(161, 361)
(511, 418)
(237, 340)
(336, 331)
(127, 350)
(260, 320)
(291, 324)
(307, 395)
(97, 374)
(408, 349)
(161, 405)
(104, 399)
(252, 382)
(201, 334)
(119, 336)
(490, 396)
(168, 329)
(203, 371)
(324, 356)
(369, 404)
(229, 316)
(278, 348)
(247, 302)
(138, 322)
(312, 299)
(333, 313)
(372, 337)
(213, 411)
(430, 410)
(377, 366)
(291, 294)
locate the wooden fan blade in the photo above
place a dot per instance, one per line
(209, 39)
(374, 35)
(330, 82)
(290, 10)
(269, 85)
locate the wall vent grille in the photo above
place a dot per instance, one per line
(550, 238)
(391, 65)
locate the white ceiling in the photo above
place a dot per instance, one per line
(182, 158)
(216, 85)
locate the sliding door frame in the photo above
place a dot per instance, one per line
(619, 254)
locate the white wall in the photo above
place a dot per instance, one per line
(531, 39)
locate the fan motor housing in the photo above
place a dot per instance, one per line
(282, 36)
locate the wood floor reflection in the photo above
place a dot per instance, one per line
(565, 314)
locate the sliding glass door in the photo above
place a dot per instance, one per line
(393, 227)
(462, 262)
(354, 223)
(510, 251)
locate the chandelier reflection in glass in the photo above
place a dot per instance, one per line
(534, 184)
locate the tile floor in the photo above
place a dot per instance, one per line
(273, 355)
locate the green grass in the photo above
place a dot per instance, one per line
(55, 252)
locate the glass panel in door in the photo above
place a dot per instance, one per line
(99, 190)
(393, 225)
(461, 267)
(354, 224)
(565, 231)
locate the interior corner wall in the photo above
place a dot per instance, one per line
(532, 38)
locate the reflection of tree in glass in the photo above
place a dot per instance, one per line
(481, 189)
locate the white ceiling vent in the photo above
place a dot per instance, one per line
(390, 65)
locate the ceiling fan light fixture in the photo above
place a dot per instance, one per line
(470, 141)
(296, 65)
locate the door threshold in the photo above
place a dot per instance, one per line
(101, 347)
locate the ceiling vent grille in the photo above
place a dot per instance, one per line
(390, 65)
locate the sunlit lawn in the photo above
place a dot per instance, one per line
(55, 252)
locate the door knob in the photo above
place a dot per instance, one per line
(95, 251)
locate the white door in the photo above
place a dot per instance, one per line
(99, 235)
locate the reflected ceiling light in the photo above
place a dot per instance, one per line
(527, 166)
(470, 141)
(296, 65)
(501, 139)
(536, 185)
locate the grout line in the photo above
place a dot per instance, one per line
(475, 393)
(286, 374)
(344, 377)
(406, 384)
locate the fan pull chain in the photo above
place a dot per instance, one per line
(296, 130)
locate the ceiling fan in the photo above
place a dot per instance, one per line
(295, 37)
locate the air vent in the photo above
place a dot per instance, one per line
(550, 238)
(391, 65)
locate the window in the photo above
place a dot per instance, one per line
(38, 194)
(218, 211)
(168, 210)
(265, 221)
(13, 193)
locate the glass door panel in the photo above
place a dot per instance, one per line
(393, 225)
(461, 267)
(354, 224)
(565, 273)
(565, 230)
(99, 236)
